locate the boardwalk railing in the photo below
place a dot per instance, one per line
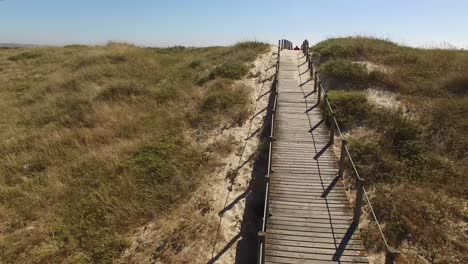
(345, 156)
(285, 44)
(282, 44)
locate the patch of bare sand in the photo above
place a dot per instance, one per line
(196, 232)
(383, 99)
(370, 66)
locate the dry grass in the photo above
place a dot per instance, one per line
(98, 140)
(416, 160)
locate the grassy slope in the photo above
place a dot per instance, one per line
(98, 140)
(414, 157)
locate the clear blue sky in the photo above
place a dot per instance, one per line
(216, 22)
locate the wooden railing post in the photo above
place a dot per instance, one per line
(315, 82)
(319, 93)
(390, 255)
(261, 242)
(359, 198)
(342, 158)
(311, 68)
(332, 128)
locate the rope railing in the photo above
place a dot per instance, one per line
(361, 191)
(282, 44)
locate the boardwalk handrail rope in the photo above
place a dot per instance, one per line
(361, 191)
(282, 44)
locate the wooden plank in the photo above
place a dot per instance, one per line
(314, 250)
(311, 202)
(283, 260)
(280, 221)
(311, 219)
(314, 256)
(279, 240)
(299, 199)
(315, 211)
(312, 237)
(315, 230)
(322, 183)
(294, 259)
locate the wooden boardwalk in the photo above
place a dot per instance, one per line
(310, 216)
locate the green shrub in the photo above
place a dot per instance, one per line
(27, 55)
(351, 108)
(372, 162)
(447, 123)
(457, 84)
(353, 48)
(348, 72)
(421, 217)
(156, 160)
(229, 70)
(123, 90)
(195, 64)
(223, 103)
(248, 50)
(404, 136)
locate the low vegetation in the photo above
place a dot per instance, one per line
(96, 141)
(412, 149)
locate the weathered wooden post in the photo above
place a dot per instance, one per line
(359, 198)
(390, 255)
(319, 92)
(332, 128)
(315, 82)
(306, 45)
(261, 242)
(342, 158)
